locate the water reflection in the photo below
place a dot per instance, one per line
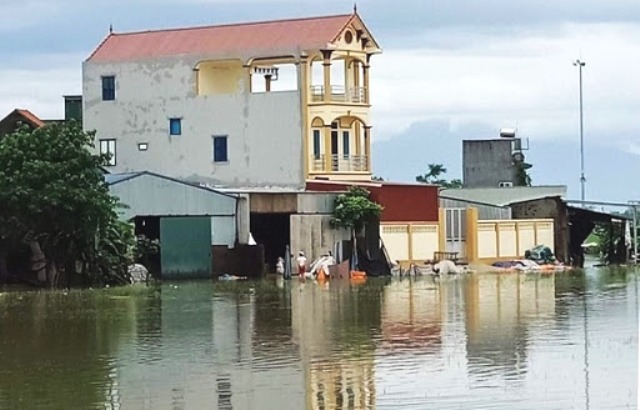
(477, 342)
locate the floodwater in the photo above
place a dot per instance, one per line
(510, 341)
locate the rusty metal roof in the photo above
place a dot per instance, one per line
(31, 118)
(259, 39)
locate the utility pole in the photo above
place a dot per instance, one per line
(583, 179)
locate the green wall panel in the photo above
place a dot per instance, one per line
(185, 251)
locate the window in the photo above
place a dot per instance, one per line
(143, 146)
(175, 126)
(108, 88)
(345, 144)
(108, 147)
(316, 144)
(220, 149)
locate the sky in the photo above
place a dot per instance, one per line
(450, 70)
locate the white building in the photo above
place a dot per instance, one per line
(267, 104)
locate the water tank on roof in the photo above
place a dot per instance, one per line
(507, 133)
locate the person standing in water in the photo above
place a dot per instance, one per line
(302, 264)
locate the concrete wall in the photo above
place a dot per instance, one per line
(314, 235)
(409, 242)
(486, 163)
(499, 240)
(551, 208)
(264, 130)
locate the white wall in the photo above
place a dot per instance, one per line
(264, 130)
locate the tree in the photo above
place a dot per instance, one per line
(433, 176)
(522, 176)
(55, 200)
(354, 209)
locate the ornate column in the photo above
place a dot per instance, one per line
(327, 148)
(367, 146)
(326, 64)
(365, 74)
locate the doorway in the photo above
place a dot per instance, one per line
(149, 226)
(271, 231)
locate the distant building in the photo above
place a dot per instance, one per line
(18, 118)
(494, 162)
(73, 108)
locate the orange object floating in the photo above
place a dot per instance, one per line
(358, 274)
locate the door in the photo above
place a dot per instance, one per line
(456, 230)
(185, 247)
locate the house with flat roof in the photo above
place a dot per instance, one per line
(261, 104)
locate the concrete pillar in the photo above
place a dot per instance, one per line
(365, 74)
(327, 148)
(442, 229)
(326, 64)
(358, 137)
(472, 235)
(303, 69)
(367, 146)
(196, 73)
(247, 78)
(267, 82)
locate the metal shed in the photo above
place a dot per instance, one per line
(188, 219)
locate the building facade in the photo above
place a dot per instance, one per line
(267, 104)
(488, 163)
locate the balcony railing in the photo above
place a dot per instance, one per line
(340, 163)
(355, 95)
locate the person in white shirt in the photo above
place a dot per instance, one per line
(302, 263)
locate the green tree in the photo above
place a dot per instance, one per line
(434, 177)
(354, 209)
(55, 200)
(522, 176)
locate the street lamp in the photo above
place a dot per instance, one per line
(583, 179)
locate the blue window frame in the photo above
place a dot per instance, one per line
(316, 144)
(345, 144)
(108, 88)
(220, 153)
(175, 126)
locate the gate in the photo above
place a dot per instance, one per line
(455, 230)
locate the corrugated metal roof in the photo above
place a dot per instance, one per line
(505, 196)
(302, 34)
(112, 179)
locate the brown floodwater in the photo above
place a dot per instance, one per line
(510, 341)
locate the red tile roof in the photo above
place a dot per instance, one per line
(257, 38)
(31, 117)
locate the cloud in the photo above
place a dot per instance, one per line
(38, 84)
(525, 81)
(25, 14)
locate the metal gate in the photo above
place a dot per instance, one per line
(455, 230)
(185, 247)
